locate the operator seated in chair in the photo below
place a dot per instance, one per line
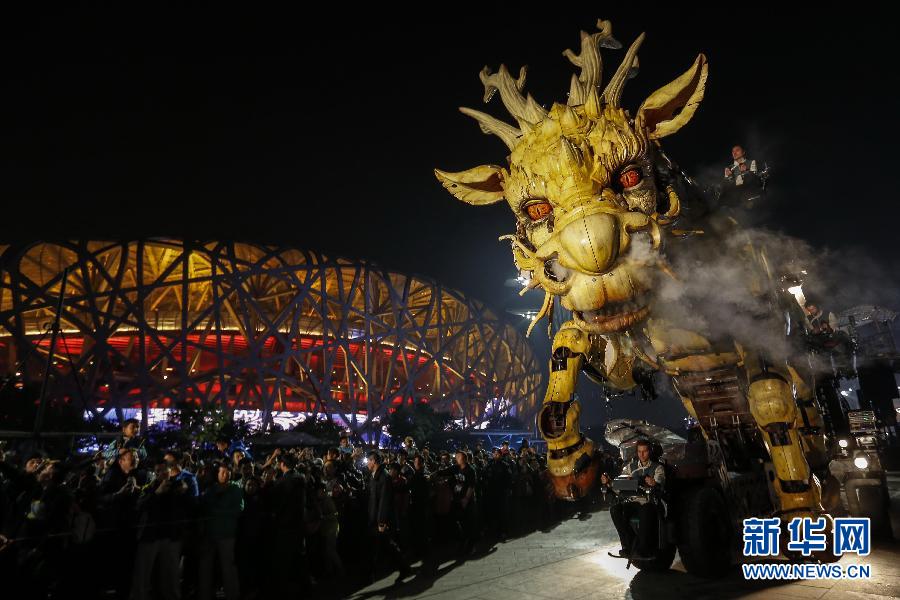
(652, 475)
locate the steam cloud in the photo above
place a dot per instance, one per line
(712, 291)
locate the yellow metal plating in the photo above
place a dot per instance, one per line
(589, 233)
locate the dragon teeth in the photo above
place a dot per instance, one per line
(627, 311)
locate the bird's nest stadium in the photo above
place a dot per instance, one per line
(273, 332)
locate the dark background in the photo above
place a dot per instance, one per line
(321, 130)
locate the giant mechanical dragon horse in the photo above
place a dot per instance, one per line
(596, 201)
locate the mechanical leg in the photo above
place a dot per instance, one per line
(810, 424)
(775, 410)
(570, 458)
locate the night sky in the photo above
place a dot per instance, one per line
(322, 133)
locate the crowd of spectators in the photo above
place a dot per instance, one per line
(133, 521)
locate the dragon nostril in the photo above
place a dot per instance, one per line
(548, 271)
(554, 271)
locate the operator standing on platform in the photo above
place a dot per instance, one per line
(742, 170)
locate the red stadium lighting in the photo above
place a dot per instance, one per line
(158, 324)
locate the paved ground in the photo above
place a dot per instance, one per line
(570, 562)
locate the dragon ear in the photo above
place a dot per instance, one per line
(670, 107)
(479, 186)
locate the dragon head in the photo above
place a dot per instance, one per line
(587, 183)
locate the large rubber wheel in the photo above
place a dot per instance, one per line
(874, 503)
(795, 556)
(831, 497)
(704, 533)
(663, 560)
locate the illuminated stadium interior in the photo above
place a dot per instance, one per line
(158, 323)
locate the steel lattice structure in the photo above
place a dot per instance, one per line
(158, 323)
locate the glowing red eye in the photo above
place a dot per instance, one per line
(630, 178)
(538, 210)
